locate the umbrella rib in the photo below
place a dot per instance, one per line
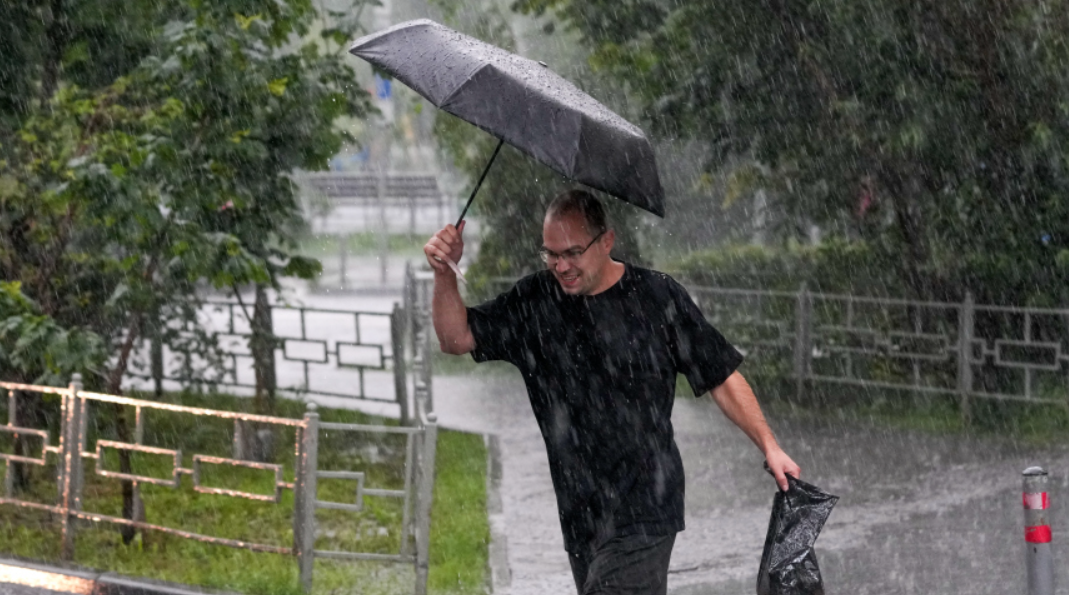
(445, 101)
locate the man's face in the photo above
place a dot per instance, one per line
(564, 237)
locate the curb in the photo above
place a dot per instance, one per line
(53, 579)
(500, 575)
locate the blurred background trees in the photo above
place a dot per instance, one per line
(931, 134)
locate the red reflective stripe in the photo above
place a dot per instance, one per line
(1040, 534)
(1036, 501)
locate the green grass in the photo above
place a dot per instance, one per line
(460, 539)
(459, 525)
(359, 244)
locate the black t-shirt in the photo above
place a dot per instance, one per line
(601, 373)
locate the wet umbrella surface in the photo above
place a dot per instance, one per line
(521, 102)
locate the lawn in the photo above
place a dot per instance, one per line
(460, 531)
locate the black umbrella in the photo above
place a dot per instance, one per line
(522, 102)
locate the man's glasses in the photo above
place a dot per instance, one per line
(551, 257)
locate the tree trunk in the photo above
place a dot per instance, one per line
(130, 503)
(259, 440)
(57, 35)
(29, 413)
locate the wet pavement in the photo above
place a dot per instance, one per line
(919, 514)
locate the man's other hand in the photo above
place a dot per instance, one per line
(446, 245)
(781, 465)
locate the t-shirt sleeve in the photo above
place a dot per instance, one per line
(497, 325)
(701, 353)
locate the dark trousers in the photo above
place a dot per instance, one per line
(627, 565)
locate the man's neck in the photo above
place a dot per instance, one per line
(614, 271)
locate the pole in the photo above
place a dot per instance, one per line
(70, 457)
(966, 324)
(802, 341)
(1038, 559)
(400, 378)
(426, 496)
(305, 517)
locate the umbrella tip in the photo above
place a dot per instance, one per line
(543, 64)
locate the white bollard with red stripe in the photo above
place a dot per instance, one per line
(1038, 559)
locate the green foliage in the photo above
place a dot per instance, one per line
(863, 268)
(828, 267)
(36, 349)
(932, 130)
(162, 158)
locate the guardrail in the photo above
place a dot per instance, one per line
(73, 450)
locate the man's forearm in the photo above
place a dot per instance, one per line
(450, 316)
(738, 402)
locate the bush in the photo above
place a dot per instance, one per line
(833, 266)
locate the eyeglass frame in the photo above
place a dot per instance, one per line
(545, 253)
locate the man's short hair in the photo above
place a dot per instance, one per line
(583, 203)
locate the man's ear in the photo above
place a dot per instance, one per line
(610, 239)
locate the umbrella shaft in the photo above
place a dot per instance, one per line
(480, 182)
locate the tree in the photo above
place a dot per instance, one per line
(35, 349)
(118, 198)
(935, 131)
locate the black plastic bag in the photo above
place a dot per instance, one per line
(788, 564)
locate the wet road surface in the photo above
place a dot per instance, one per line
(920, 514)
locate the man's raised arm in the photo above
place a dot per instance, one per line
(738, 402)
(448, 313)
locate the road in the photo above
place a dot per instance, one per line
(920, 513)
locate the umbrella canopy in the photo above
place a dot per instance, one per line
(521, 102)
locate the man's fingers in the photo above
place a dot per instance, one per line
(781, 480)
(434, 257)
(780, 466)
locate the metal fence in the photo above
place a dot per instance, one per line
(69, 455)
(964, 350)
(316, 350)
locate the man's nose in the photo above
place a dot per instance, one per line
(562, 265)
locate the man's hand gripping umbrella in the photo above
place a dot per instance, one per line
(452, 235)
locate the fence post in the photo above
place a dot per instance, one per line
(966, 330)
(70, 457)
(343, 254)
(400, 379)
(428, 359)
(1038, 560)
(304, 518)
(802, 341)
(426, 496)
(156, 353)
(9, 467)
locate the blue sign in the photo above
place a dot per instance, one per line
(382, 87)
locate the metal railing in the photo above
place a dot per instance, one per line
(315, 348)
(73, 449)
(961, 349)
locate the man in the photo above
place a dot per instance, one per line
(600, 343)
